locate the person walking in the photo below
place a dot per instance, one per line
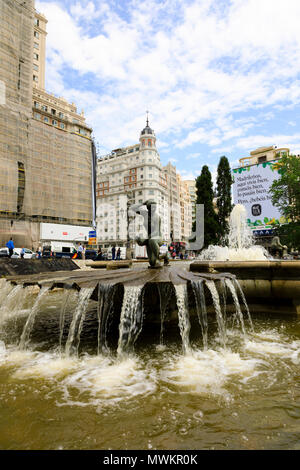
(80, 251)
(10, 245)
(22, 253)
(119, 253)
(113, 253)
(99, 255)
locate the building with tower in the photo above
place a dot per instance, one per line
(127, 176)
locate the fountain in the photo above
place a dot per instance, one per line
(128, 298)
(215, 283)
(175, 346)
(270, 285)
(240, 242)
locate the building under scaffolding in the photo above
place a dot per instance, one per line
(47, 160)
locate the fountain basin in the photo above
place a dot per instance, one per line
(269, 286)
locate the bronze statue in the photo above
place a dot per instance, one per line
(152, 224)
(278, 248)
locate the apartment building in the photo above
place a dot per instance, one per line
(127, 176)
(174, 202)
(191, 186)
(185, 209)
(264, 154)
(46, 152)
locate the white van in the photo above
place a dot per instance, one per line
(61, 249)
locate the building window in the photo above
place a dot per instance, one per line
(54, 122)
(46, 119)
(61, 125)
(53, 111)
(35, 67)
(35, 56)
(35, 45)
(35, 78)
(36, 22)
(37, 116)
(44, 108)
(36, 34)
(36, 104)
(262, 159)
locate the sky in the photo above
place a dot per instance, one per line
(219, 77)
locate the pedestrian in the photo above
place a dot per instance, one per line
(99, 255)
(10, 245)
(113, 252)
(79, 251)
(119, 253)
(22, 253)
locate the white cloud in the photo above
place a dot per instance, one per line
(194, 64)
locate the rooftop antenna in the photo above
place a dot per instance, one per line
(147, 118)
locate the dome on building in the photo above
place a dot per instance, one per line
(147, 129)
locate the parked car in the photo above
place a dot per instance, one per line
(4, 253)
(28, 253)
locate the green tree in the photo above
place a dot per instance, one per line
(285, 193)
(224, 204)
(205, 195)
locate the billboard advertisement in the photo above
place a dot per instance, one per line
(251, 188)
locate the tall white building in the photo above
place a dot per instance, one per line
(127, 176)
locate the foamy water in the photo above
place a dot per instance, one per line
(240, 242)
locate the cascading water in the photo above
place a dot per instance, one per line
(198, 289)
(165, 292)
(78, 317)
(105, 306)
(131, 318)
(244, 302)
(64, 305)
(240, 242)
(239, 314)
(30, 320)
(183, 316)
(220, 320)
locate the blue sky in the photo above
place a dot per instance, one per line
(219, 77)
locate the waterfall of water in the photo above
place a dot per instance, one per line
(244, 302)
(183, 316)
(11, 299)
(104, 309)
(31, 317)
(78, 317)
(198, 289)
(5, 289)
(238, 310)
(165, 291)
(64, 305)
(216, 301)
(131, 318)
